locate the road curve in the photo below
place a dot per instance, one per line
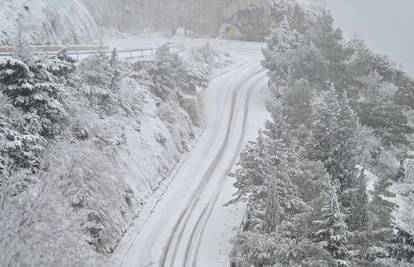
(173, 234)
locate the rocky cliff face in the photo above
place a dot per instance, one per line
(47, 21)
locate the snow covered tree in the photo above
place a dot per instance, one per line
(377, 109)
(114, 57)
(298, 19)
(282, 161)
(170, 73)
(289, 58)
(329, 41)
(402, 247)
(277, 129)
(306, 62)
(335, 137)
(18, 144)
(100, 83)
(272, 208)
(381, 208)
(283, 38)
(255, 248)
(374, 240)
(61, 65)
(32, 107)
(308, 177)
(297, 104)
(358, 216)
(324, 127)
(35, 91)
(330, 228)
(264, 179)
(252, 171)
(347, 139)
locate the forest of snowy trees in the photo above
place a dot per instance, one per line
(337, 110)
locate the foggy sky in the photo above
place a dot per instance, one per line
(386, 25)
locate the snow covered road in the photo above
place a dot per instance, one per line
(190, 226)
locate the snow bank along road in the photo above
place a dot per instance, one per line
(187, 224)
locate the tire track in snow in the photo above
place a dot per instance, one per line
(185, 216)
(150, 244)
(196, 194)
(208, 210)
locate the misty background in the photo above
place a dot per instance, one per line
(386, 26)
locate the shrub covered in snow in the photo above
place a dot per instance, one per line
(170, 73)
(37, 225)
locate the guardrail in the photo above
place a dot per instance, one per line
(84, 50)
(54, 48)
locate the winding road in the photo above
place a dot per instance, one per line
(187, 223)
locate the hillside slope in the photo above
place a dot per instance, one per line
(47, 21)
(103, 136)
(80, 21)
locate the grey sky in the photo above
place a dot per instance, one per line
(386, 25)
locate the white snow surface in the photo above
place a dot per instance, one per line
(404, 198)
(54, 21)
(186, 222)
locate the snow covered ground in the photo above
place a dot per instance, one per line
(55, 21)
(404, 198)
(189, 225)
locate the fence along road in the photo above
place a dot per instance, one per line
(81, 51)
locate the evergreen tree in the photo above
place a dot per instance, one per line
(298, 19)
(61, 66)
(309, 177)
(376, 241)
(36, 92)
(283, 38)
(377, 109)
(329, 41)
(282, 160)
(358, 218)
(402, 247)
(252, 171)
(278, 131)
(330, 227)
(347, 140)
(272, 208)
(305, 62)
(18, 144)
(335, 137)
(114, 58)
(297, 104)
(323, 130)
(380, 207)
